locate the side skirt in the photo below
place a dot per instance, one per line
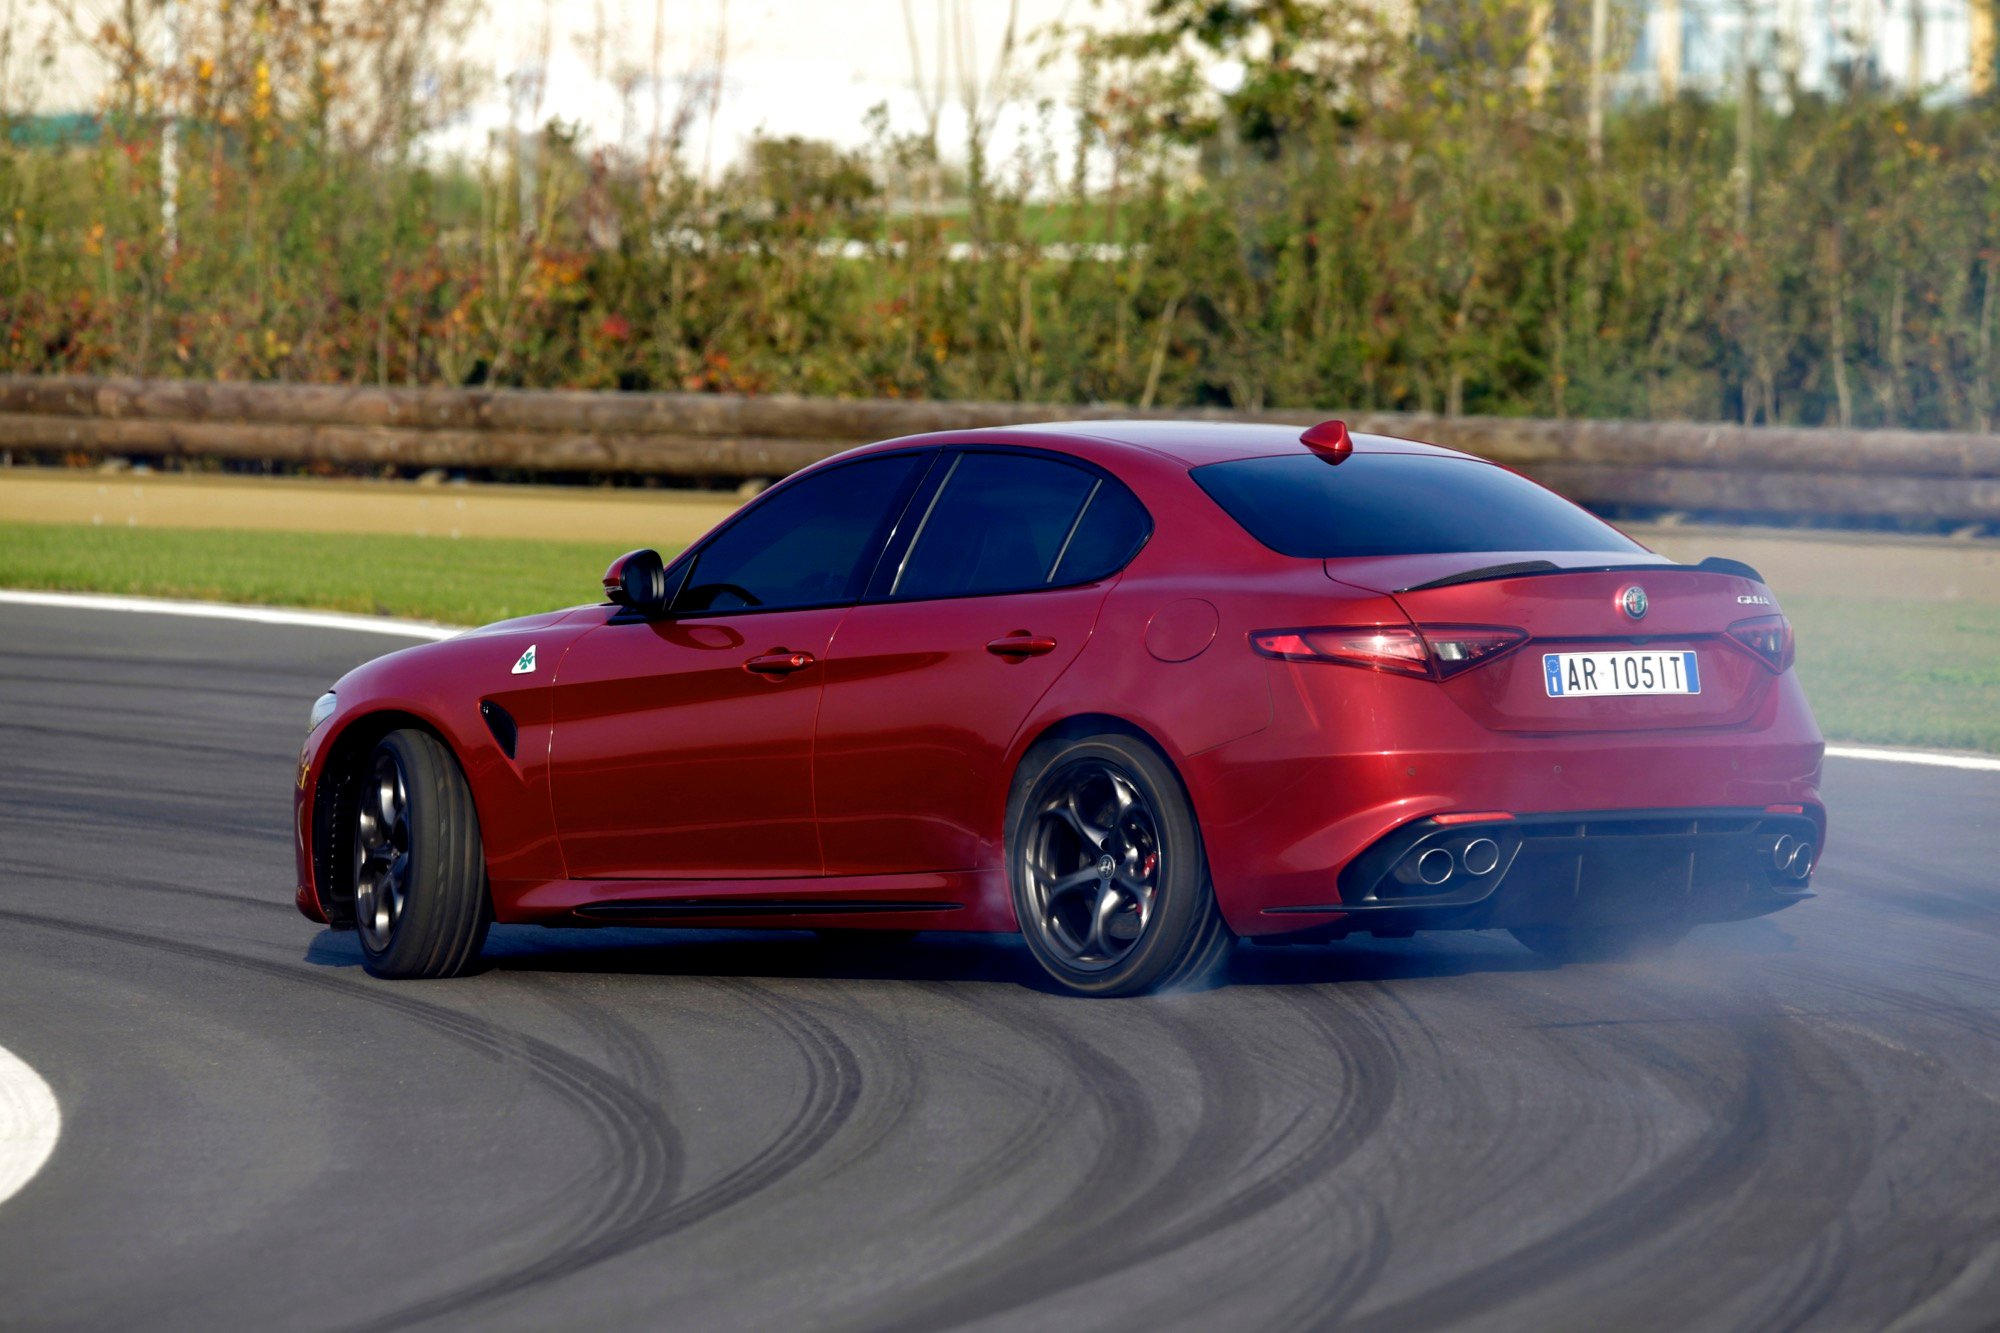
(968, 900)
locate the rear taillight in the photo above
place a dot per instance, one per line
(1435, 652)
(1399, 650)
(1454, 648)
(1769, 638)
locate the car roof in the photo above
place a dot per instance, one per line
(1191, 443)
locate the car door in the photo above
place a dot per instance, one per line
(683, 744)
(967, 623)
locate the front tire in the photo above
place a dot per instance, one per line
(420, 902)
(1109, 877)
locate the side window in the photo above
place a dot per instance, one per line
(1113, 525)
(804, 546)
(998, 525)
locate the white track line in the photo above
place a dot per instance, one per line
(1977, 763)
(30, 1122)
(417, 629)
(260, 615)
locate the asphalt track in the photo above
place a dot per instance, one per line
(1792, 1122)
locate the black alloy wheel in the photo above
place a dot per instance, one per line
(1109, 879)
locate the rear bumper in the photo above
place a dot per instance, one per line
(1586, 868)
(1353, 757)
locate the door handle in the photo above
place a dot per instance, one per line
(779, 662)
(1022, 644)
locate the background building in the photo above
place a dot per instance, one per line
(1938, 48)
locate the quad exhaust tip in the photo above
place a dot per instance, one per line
(1480, 857)
(1434, 866)
(1793, 857)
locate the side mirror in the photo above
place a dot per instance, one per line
(637, 581)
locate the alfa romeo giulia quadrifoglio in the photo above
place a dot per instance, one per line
(1135, 690)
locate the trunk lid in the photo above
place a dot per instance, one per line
(1569, 602)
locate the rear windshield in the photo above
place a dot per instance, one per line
(1398, 504)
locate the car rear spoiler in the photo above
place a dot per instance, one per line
(1713, 564)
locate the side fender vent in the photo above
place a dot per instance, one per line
(501, 723)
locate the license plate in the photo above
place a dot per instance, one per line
(1599, 675)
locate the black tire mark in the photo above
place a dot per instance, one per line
(640, 1140)
(894, 1080)
(1042, 1265)
(1128, 1137)
(86, 812)
(1367, 1063)
(833, 1081)
(1974, 1019)
(833, 1090)
(139, 884)
(632, 1058)
(185, 745)
(1753, 1125)
(1807, 1295)
(1322, 1304)
(635, 1133)
(1050, 1109)
(1354, 1101)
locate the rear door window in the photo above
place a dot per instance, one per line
(1113, 528)
(1005, 523)
(1399, 504)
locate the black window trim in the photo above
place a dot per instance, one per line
(884, 537)
(889, 568)
(946, 465)
(1075, 524)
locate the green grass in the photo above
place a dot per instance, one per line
(1901, 673)
(1891, 673)
(460, 581)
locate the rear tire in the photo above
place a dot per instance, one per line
(1598, 944)
(1109, 877)
(421, 907)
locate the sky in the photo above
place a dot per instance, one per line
(788, 67)
(815, 67)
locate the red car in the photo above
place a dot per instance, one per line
(1132, 689)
